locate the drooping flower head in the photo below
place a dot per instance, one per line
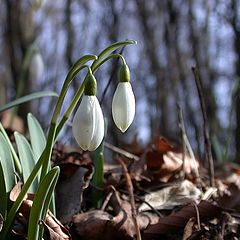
(88, 122)
(123, 104)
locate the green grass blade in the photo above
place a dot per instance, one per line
(26, 158)
(27, 98)
(45, 189)
(3, 195)
(37, 137)
(17, 163)
(7, 164)
(104, 54)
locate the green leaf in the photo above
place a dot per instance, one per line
(28, 98)
(7, 164)
(15, 157)
(3, 195)
(41, 201)
(26, 158)
(37, 137)
(104, 54)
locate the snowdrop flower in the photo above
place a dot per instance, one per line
(123, 104)
(88, 122)
(36, 68)
(36, 4)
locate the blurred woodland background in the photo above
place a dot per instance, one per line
(172, 37)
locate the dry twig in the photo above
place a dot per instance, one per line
(205, 126)
(131, 196)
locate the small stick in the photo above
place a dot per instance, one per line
(183, 133)
(121, 151)
(198, 216)
(205, 126)
(147, 203)
(131, 196)
(186, 143)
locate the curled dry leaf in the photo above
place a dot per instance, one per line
(178, 220)
(15, 191)
(169, 197)
(165, 160)
(98, 225)
(188, 230)
(71, 185)
(52, 226)
(54, 230)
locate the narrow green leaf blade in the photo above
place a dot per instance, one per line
(109, 50)
(37, 137)
(28, 98)
(45, 189)
(3, 195)
(7, 164)
(26, 158)
(17, 163)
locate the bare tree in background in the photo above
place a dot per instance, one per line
(173, 36)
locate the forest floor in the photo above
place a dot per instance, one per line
(159, 192)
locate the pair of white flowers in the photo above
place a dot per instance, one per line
(88, 122)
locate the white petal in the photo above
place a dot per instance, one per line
(36, 66)
(123, 106)
(98, 127)
(83, 122)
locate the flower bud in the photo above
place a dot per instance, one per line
(36, 67)
(123, 105)
(88, 123)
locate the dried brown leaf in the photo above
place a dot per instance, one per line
(71, 185)
(169, 197)
(15, 191)
(188, 230)
(178, 220)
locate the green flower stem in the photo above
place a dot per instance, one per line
(114, 55)
(78, 66)
(80, 90)
(22, 78)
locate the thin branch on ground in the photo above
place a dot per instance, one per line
(121, 151)
(131, 196)
(205, 126)
(186, 143)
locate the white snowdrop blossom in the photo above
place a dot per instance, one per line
(36, 68)
(88, 123)
(123, 106)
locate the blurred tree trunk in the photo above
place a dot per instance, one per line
(198, 38)
(160, 121)
(236, 28)
(19, 37)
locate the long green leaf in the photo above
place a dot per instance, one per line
(28, 98)
(104, 54)
(17, 163)
(3, 195)
(49, 202)
(26, 158)
(37, 137)
(45, 189)
(7, 164)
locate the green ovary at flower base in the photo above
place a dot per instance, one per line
(123, 104)
(88, 122)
